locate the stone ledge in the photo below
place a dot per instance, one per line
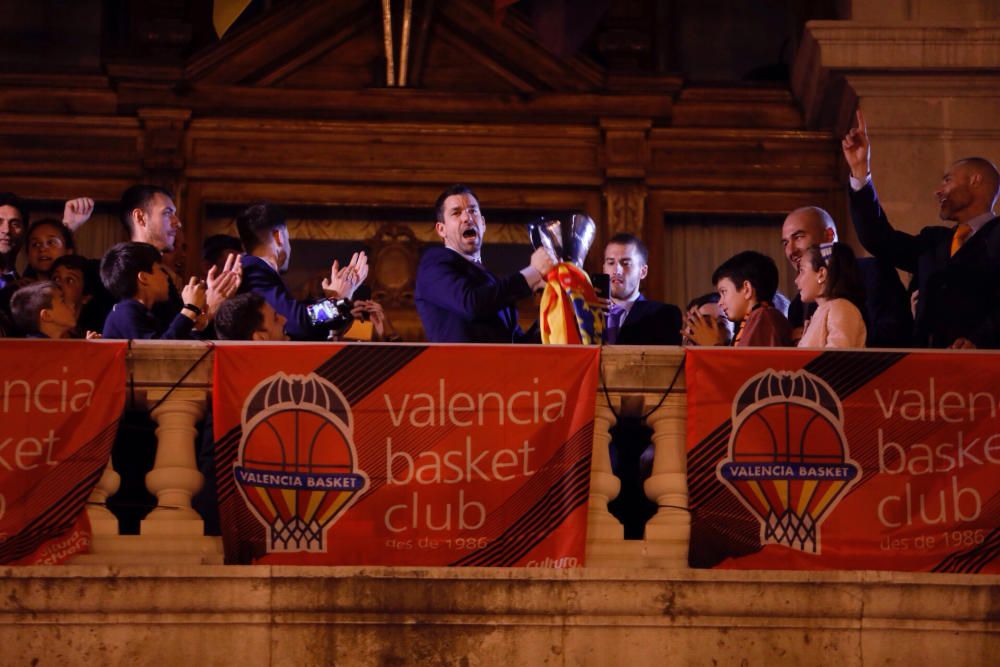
(866, 46)
(260, 615)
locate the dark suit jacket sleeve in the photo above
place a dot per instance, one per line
(887, 305)
(672, 325)
(447, 286)
(877, 235)
(651, 323)
(986, 332)
(265, 282)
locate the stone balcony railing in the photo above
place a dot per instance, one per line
(162, 598)
(174, 381)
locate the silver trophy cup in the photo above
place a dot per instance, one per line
(568, 236)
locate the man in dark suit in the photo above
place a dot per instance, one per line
(887, 305)
(633, 319)
(457, 298)
(264, 234)
(956, 269)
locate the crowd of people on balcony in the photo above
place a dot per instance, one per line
(134, 291)
(137, 290)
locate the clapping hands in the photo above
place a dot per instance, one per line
(223, 284)
(700, 329)
(343, 281)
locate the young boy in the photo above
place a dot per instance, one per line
(746, 284)
(80, 280)
(40, 311)
(134, 274)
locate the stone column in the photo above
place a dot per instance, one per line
(102, 521)
(604, 533)
(175, 478)
(668, 533)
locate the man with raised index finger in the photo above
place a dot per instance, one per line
(956, 269)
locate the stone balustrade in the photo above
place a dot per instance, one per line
(162, 597)
(173, 380)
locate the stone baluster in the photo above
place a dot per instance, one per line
(605, 534)
(175, 478)
(102, 521)
(668, 532)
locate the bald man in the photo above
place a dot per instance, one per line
(887, 305)
(956, 268)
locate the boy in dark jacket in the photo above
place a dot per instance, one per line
(134, 274)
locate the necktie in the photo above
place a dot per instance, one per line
(615, 316)
(962, 232)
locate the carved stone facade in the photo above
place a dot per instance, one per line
(292, 107)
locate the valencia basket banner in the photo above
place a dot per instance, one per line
(844, 460)
(59, 411)
(404, 454)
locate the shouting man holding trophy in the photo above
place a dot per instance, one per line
(458, 299)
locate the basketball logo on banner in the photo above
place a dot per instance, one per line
(297, 468)
(788, 460)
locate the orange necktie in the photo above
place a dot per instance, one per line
(962, 232)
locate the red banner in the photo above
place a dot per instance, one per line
(844, 460)
(60, 403)
(404, 454)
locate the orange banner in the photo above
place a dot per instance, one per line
(60, 402)
(404, 454)
(844, 460)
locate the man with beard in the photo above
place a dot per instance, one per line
(633, 319)
(457, 298)
(264, 233)
(956, 269)
(887, 312)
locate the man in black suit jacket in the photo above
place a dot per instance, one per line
(887, 305)
(457, 298)
(634, 319)
(956, 269)
(264, 233)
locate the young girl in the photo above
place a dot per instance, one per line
(828, 275)
(48, 240)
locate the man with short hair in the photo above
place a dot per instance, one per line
(149, 215)
(13, 222)
(457, 298)
(633, 319)
(263, 230)
(248, 316)
(887, 314)
(956, 269)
